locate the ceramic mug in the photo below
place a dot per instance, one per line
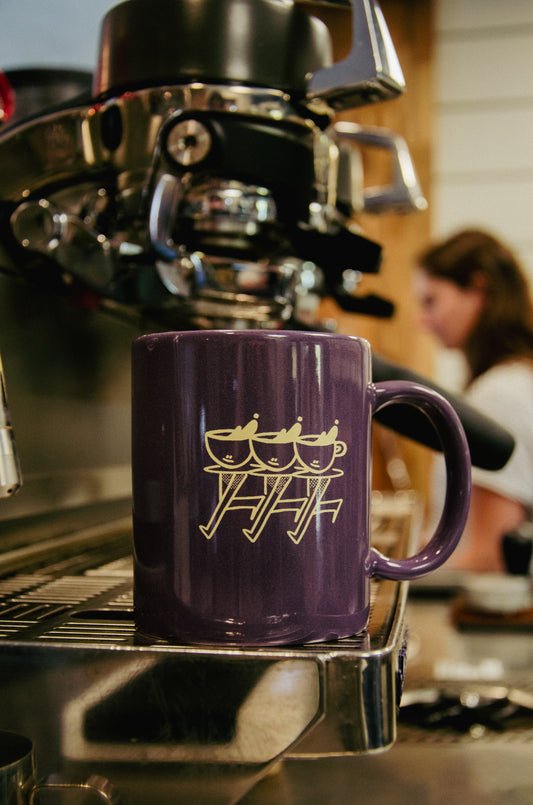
(251, 455)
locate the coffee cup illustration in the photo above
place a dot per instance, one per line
(231, 448)
(317, 452)
(275, 450)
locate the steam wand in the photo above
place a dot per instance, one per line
(10, 476)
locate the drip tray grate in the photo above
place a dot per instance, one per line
(69, 590)
(75, 631)
(43, 608)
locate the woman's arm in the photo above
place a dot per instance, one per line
(491, 516)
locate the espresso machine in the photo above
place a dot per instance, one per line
(200, 181)
(203, 182)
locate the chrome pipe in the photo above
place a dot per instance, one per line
(10, 475)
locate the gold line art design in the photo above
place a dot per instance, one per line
(242, 455)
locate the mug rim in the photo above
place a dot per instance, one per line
(259, 335)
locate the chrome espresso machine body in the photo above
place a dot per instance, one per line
(202, 181)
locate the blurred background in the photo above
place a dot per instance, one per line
(467, 117)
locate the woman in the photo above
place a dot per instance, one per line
(474, 297)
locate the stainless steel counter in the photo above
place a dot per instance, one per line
(140, 715)
(407, 775)
(167, 723)
(430, 767)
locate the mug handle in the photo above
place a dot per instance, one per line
(458, 481)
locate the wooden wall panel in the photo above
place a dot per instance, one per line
(411, 24)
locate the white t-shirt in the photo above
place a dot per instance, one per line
(505, 393)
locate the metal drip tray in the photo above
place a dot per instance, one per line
(77, 680)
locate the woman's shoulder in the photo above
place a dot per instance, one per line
(511, 377)
(505, 392)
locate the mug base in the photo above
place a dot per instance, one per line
(292, 632)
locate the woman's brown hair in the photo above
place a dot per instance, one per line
(504, 330)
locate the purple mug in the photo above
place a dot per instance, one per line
(251, 455)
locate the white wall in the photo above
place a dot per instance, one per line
(483, 165)
(50, 33)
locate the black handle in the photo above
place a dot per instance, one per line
(490, 444)
(517, 550)
(369, 305)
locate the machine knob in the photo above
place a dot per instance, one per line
(188, 142)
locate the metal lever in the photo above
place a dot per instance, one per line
(404, 193)
(370, 73)
(10, 477)
(74, 244)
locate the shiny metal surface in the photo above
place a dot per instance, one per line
(370, 73)
(95, 790)
(225, 216)
(107, 199)
(443, 774)
(133, 713)
(91, 613)
(101, 199)
(10, 475)
(202, 39)
(21, 785)
(181, 723)
(121, 194)
(404, 193)
(68, 144)
(68, 378)
(430, 766)
(17, 768)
